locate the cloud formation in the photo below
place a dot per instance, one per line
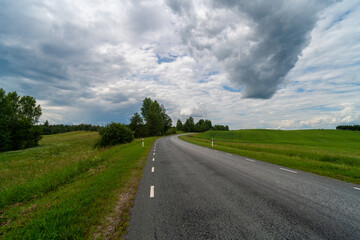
(255, 42)
(268, 64)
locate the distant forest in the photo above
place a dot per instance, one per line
(348, 127)
(61, 128)
(201, 126)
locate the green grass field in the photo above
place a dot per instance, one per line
(330, 153)
(66, 189)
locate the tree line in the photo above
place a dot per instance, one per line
(61, 128)
(202, 125)
(18, 116)
(348, 127)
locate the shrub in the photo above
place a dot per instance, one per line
(115, 133)
(170, 131)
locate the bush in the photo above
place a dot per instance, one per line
(34, 136)
(170, 131)
(221, 128)
(115, 133)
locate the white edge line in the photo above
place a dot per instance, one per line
(152, 191)
(288, 170)
(152, 169)
(356, 188)
(250, 160)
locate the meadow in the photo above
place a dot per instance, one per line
(331, 153)
(67, 189)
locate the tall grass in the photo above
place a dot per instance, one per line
(70, 201)
(329, 153)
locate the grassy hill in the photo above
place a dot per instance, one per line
(67, 189)
(331, 153)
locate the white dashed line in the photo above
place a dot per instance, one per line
(229, 154)
(153, 153)
(153, 159)
(152, 169)
(288, 170)
(250, 160)
(152, 191)
(356, 188)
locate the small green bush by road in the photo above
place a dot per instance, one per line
(115, 133)
(328, 153)
(67, 189)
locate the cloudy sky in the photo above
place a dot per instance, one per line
(247, 64)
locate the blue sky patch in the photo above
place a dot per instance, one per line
(213, 73)
(227, 88)
(165, 59)
(320, 108)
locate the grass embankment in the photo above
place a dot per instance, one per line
(330, 153)
(66, 189)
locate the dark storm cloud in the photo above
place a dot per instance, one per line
(22, 62)
(51, 58)
(260, 60)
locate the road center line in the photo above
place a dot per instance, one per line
(153, 159)
(153, 153)
(250, 160)
(153, 169)
(356, 188)
(288, 170)
(152, 191)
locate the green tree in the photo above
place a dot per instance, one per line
(189, 125)
(29, 110)
(208, 124)
(203, 125)
(5, 134)
(146, 108)
(155, 121)
(137, 126)
(18, 117)
(167, 122)
(179, 125)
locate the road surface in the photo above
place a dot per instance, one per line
(192, 192)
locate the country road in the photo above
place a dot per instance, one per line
(192, 192)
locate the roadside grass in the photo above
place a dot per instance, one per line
(330, 153)
(73, 200)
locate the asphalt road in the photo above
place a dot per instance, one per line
(191, 192)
